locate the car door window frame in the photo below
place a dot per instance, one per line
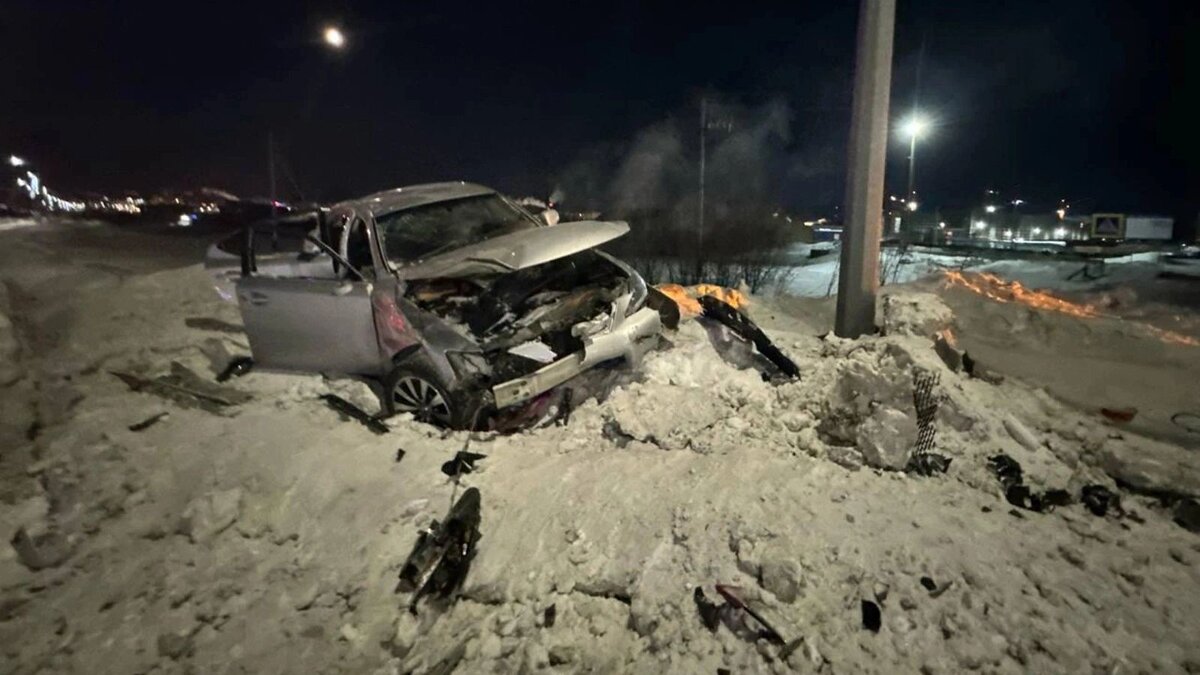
(250, 268)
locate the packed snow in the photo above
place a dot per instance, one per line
(267, 536)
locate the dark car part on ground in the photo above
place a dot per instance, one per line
(732, 613)
(668, 309)
(348, 410)
(462, 462)
(442, 555)
(148, 422)
(927, 464)
(1099, 500)
(237, 367)
(1016, 492)
(744, 327)
(710, 612)
(730, 593)
(185, 387)
(216, 325)
(872, 616)
(1187, 515)
(977, 371)
(1119, 415)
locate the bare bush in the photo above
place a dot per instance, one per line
(749, 249)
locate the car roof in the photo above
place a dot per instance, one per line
(398, 199)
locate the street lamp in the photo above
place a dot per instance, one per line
(334, 37)
(914, 127)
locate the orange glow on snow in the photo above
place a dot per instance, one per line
(1000, 290)
(687, 297)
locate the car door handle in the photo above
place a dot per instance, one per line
(255, 298)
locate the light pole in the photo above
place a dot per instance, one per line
(858, 274)
(915, 127)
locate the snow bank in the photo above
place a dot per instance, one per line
(270, 539)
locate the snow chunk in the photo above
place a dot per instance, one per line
(885, 438)
(911, 313)
(206, 517)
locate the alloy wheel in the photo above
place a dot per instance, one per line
(415, 395)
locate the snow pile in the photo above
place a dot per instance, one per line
(269, 538)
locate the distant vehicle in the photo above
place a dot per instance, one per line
(460, 301)
(1185, 264)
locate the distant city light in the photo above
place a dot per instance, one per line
(990, 208)
(915, 126)
(942, 225)
(334, 37)
(1060, 233)
(1018, 202)
(13, 160)
(912, 205)
(980, 225)
(1062, 213)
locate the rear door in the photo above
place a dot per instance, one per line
(297, 322)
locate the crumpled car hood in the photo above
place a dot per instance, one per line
(515, 251)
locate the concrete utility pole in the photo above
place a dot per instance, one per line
(858, 278)
(700, 208)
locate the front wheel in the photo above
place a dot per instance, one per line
(415, 388)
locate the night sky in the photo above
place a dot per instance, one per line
(1088, 100)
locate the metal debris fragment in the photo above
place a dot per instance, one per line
(745, 328)
(1099, 499)
(730, 593)
(1016, 492)
(463, 462)
(348, 410)
(442, 556)
(186, 388)
(148, 422)
(926, 402)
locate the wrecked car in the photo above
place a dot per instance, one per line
(460, 302)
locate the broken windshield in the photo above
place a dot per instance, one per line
(424, 231)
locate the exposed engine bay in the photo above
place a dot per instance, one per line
(529, 317)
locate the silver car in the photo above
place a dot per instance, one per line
(458, 300)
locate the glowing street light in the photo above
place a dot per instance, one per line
(13, 160)
(914, 127)
(334, 37)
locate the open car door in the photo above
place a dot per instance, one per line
(309, 323)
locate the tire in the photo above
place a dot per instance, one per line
(414, 387)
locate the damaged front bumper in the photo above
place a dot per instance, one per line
(630, 339)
